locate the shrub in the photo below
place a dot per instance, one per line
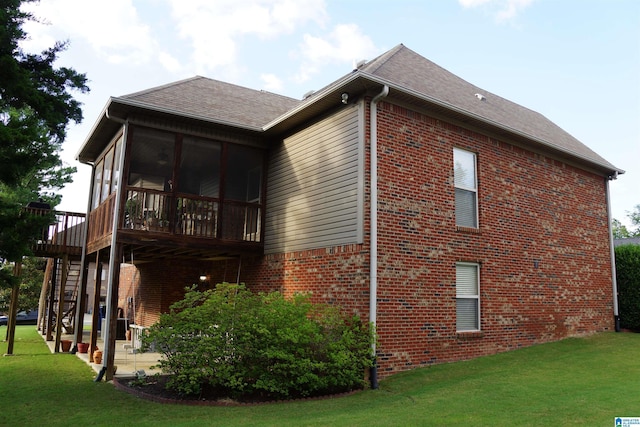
(251, 343)
(628, 278)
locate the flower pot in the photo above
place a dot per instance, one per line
(83, 347)
(97, 356)
(66, 345)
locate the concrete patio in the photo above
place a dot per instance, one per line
(126, 359)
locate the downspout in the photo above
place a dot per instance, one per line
(614, 281)
(373, 262)
(112, 250)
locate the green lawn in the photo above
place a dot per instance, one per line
(586, 381)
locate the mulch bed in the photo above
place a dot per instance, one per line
(155, 390)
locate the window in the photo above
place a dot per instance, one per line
(152, 154)
(199, 171)
(97, 184)
(467, 297)
(466, 188)
(106, 175)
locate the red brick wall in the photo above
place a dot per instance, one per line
(156, 286)
(542, 245)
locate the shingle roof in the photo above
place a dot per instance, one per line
(406, 69)
(400, 68)
(217, 101)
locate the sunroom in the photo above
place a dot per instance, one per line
(179, 189)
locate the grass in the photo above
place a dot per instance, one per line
(578, 381)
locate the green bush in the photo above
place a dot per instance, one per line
(628, 278)
(248, 343)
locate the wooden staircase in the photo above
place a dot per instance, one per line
(59, 297)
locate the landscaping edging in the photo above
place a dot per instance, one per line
(120, 384)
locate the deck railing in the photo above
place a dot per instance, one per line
(63, 235)
(189, 215)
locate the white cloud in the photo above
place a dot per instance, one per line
(502, 10)
(113, 29)
(473, 3)
(214, 29)
(344, 44)
(271, 82)
(170, 63)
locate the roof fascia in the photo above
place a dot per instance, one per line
(101, 118)
(144, 106)
(313, 99)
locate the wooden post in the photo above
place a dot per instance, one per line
(42, 304)
(13, 308)
(95, 319)
(112, 316)
(81, 301)
(52, 294)
(63, 286)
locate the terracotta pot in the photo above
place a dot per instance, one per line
(66, 345)
(83, 347)
(97, 356)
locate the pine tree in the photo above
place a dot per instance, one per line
(36, 105)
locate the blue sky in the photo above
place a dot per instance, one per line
(575, 61)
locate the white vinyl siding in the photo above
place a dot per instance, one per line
(314, 186)
(465, 179)
(467, 297)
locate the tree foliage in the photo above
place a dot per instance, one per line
(628, 279)
(30, 282)
(245, 343)
(36, 106)
(620, 231)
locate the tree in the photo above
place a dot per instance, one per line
(634, 216)
(620, 231)
(30, 283)
(35, 108)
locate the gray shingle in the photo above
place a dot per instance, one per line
(217, 101)
(407, 69)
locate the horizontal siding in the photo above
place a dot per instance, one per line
(312, 189)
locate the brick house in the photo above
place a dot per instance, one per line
(476, 226)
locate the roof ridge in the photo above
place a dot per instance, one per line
(161, 87)
(382, 59)
(198, 77)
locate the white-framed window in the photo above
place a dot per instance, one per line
(467, 297)
(466, 185)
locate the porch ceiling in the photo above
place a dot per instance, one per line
(161, 247)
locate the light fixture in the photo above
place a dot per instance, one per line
(163, 158)
(345, 97)
(203, 278)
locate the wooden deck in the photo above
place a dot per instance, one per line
(65, 235)
(158, 225)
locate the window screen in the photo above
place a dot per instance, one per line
(467, 297)
(466, 188)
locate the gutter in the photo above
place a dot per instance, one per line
(373, 262)
(614, 281)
